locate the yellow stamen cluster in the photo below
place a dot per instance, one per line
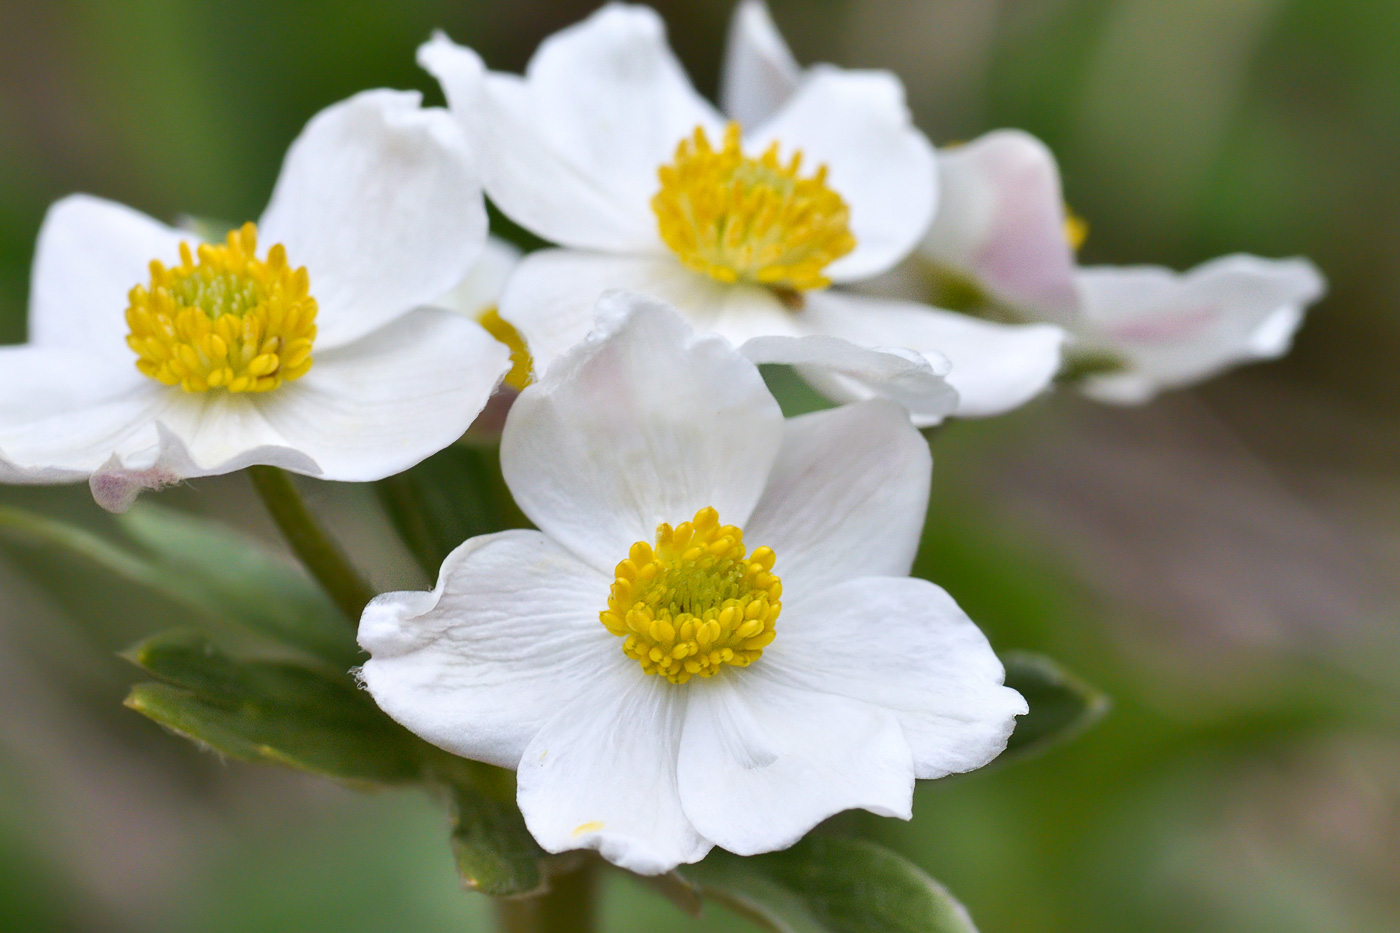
(223, 318)
(520, 363)
(740, 219)
(1076, 229)
(694, 602)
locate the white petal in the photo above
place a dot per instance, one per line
(845, 372)
(509, 637)
(552, 296)
(481, 289)
(377, 406)
(762, 763)
(643, 423)
(602, 775)
(759, 73)
(90, 253)
(65, 411)
(846, 497)
(571, 151)
(857, 124)
(996, 367)
(380, 200)
(904, 645)
(1001, 222)
(1180, 328)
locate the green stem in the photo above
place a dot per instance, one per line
(309, 541)
(568, 906)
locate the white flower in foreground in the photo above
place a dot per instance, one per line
(606, 149)
(1002, 238)
(712, 639)
(295, 343)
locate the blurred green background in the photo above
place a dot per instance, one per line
(1223, 562)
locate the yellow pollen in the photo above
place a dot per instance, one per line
(694, 602)
(741, 219)
(223, 318)
(1076, 229)
(520, 363)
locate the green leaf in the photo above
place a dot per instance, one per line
(454, 495)
(495, 853)
(830, 884)
(271, 711)
(1062, 705)
(206, 567)
(235, 577)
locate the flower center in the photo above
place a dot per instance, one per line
(520, 363)
(740, 219)
(694, 603)
(1076, 229)
(223, 318)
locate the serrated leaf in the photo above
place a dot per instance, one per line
(1061, 705)
(271, 711)
(830, 884)
(456, 494)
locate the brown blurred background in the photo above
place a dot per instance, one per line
(1222, 562)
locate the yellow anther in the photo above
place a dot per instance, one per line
(223, 319)
(694, 602)
(1076, 229)
(520, 363)
(742, 219)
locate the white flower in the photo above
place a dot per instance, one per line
(478, 297)
(296, 343)
(1002, 231)
(606, 149)
(652, 697)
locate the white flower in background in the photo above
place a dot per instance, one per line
(295, 343)
(605, 148)
(1003, 241)
(712, 639)
(478, 297)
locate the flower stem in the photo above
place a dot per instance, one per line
(567, 907)
(310, 542)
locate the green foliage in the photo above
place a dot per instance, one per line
(1062, 705)
(494, 852)
(830, 884)
(454, 495)
(270, 711)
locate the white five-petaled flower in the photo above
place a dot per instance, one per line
(1002, 235)
(713, 638)
(605, 148)
(299, 342)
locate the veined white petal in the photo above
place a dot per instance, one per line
(904, 645)
(843, 371)
(509, 637)
(858, 125)
(553, 294)
(761, 763)
(996, 367)
(759, 73)
(571, 151)
(481, 289)
(602, 775)
(846, 497)
(642, 423)
(377, 406)
(380, 200)
(1178, 328)
(90, 254)
(1001, 222)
